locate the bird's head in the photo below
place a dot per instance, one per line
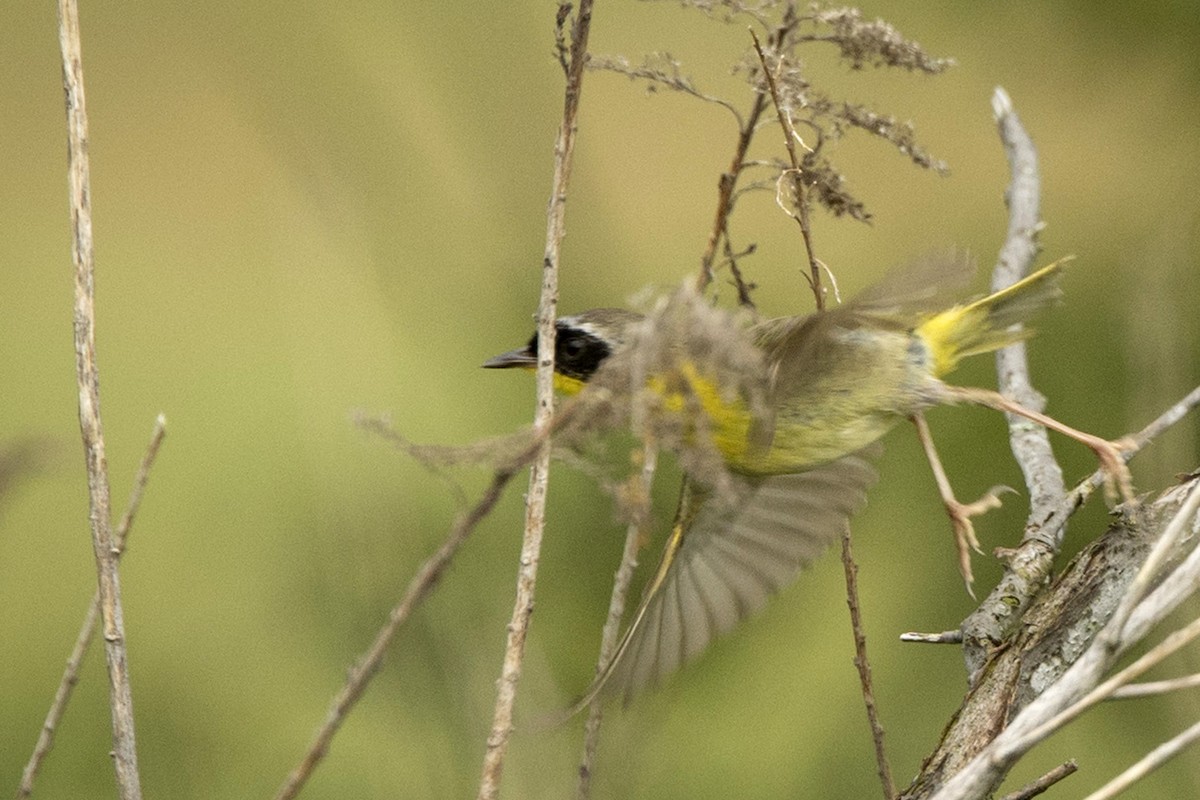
(582, 343)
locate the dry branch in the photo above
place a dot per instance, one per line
(87, 373)
(1076, 623)
(535, 501)
(1043, 783)
(1027, 568)
(799, 180)
(359, 676)
(1056, 630)
(1026, 635)
(863, 664)
(66, 686)
(634, 535)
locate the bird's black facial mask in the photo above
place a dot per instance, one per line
(578, 353)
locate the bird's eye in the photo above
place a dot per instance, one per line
(572, 348)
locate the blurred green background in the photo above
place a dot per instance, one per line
(307, 208)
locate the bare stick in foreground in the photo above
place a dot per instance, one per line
(1027, 568)
(1082, 598)
(797, 175)
(612, 624)
(863, 664)
(1064, 770)
(419, 587)
(535, 502)
(84, 640)
(1152, 761)
(108, 579)
(1079, 687)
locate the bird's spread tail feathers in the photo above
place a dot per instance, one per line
(987, 323)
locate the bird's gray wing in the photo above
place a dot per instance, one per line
(727, 554)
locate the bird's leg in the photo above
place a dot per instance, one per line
(960, 513)
(1117, 481)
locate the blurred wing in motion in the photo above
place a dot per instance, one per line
(726, 555)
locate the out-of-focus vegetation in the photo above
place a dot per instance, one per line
(309, 208)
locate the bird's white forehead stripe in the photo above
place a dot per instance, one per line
(575, 324)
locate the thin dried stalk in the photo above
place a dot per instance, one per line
(612, 624)
(863, 664)
(82, 252)
(535, 502)
(1151, 688)
(359, 676)
(796, 173)
(1064, 770)
(1150, 762)
(66, 686)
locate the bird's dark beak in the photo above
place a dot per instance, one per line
(513, 358)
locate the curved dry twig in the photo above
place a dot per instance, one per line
(1028, 566)
(1039, 786)
(863, 664)
(1152, 688)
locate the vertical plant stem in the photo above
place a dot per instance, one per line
(535, 503)
(1029, 567)
(87, 630)
(108, 579)
(616, 609)
(797, 174)
(863, 664)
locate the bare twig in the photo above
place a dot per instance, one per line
(863, 664)
(1150, 762)
(108, 577)
(1055, 524)
(419, 587)
(945, 637)
(1164, 420)
(612, 624)
(790, 138)
(1028, 566)
(727, 184)
(1151, 688)
(1079, 687)
(1063, 620)
(1043, 783)
(62, 696)
(359, 676)
(83, 641)
(1031, 445)
(725, 191)
(740, 283)
(535, 503)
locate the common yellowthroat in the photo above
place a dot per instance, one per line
(795, 436)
